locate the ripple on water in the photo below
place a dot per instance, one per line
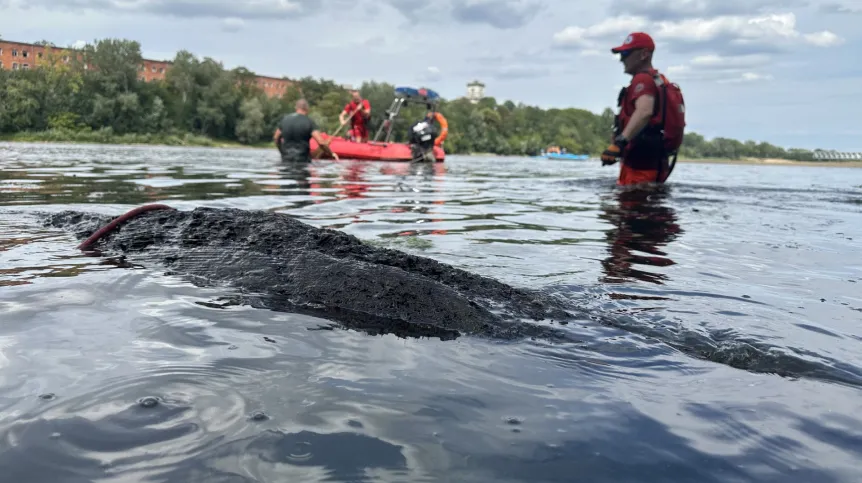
(694, 298)
(116, 429)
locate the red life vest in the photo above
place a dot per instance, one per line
(668, 117)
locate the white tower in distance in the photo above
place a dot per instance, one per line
(475, 91)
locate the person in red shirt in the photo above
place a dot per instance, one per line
(638, 144)
(361, 112)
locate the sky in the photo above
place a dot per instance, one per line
(788, 72)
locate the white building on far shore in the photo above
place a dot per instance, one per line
(475, 91)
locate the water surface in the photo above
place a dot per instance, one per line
(723, 343)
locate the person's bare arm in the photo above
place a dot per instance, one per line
(640, 118)
(320, 141)
(277, 133)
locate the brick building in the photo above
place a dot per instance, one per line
(22, 55)
(154, 69)
(272, 86)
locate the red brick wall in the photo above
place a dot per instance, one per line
(21, 55)
(273, 86)
(15, 55)
(154, 70)
(150, 69)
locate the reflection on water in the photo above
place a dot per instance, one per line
(722, 343)
(642, 222)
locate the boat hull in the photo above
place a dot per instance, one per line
(370, 151)
(565, 156)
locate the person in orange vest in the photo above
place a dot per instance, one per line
(422, 136)
(431, 116)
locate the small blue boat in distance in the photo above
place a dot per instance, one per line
(566, 156)
(556, 152)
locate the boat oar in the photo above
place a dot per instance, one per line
(348, 118)
(326, 149)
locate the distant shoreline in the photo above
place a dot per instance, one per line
(200, 141)
(187, 140)
(742, 161)
(775, 162)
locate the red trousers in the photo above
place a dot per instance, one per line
(630, 176)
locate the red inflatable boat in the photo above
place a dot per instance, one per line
(380, 148)
(370, 151)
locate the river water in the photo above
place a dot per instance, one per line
(725, 343)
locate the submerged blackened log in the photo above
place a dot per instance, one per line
(284, 264)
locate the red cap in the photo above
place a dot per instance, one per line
(637, 40)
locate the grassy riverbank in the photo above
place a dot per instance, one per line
(107, 136)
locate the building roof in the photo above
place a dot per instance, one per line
(143, 59)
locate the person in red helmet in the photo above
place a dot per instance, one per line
(649, 127)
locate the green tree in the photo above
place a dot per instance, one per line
(250, 127)
(101, 90)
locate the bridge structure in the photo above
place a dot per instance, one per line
(824, 155)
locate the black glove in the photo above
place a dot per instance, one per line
(614, 152)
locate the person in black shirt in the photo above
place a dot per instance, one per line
(294, 132)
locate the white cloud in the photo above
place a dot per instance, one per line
(725, 62)
(823, 39)
(774, 29)
(521, 71)
(589, 36)
(432, 74)
(751, 76)
(764, 31)
(746, 77)
(499, 14)
(723, 52)
(680, 70)
(725, 48)
(503, 14)
(178, 8)
(719, 68)
(678, 9)
(845, 6)
(769, 27)
(233, 24)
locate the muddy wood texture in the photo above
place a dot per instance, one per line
(277, 262)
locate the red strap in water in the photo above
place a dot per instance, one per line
(120, 219)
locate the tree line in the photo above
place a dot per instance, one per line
(100, 97)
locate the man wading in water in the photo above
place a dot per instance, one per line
(293, 134)
(649, 127)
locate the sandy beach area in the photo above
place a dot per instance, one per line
(777, 162)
